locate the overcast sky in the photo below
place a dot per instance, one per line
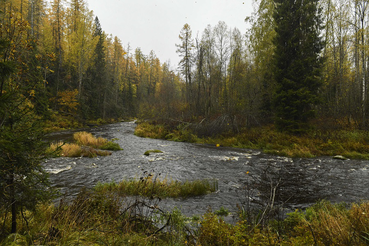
(156, 24)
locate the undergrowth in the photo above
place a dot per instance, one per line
(102, 218)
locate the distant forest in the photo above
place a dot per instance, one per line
(64, 63)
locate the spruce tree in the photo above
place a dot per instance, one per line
(96, 84)
(297, 62)
(23, 181)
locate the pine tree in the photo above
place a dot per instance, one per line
(297, 61)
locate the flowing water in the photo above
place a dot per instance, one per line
(243, 175)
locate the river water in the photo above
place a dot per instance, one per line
(243, 175)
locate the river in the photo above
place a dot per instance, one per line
(243, 175)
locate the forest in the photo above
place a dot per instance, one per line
(67, 66)
(301, 65)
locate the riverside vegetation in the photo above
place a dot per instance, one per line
(85, 145)
(42, 79)
(106, 215)
(350, 143)
(103, 216)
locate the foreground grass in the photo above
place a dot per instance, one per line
(102, 218)
(348, 143)
(85, 145)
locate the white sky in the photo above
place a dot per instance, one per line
(156, 24)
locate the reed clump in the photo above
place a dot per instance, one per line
(87, 139)
(153, 187)
(86, 145)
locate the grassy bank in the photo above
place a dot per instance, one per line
(59, 121)
(348, 143)
(85, 145)
(103, 218)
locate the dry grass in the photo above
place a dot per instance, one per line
(103, 218)
(332, 224)
(87, 146)
(87, 139)
(71, 150)
(65, 149)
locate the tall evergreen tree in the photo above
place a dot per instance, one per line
(185, 64)
(297, 61)
(96, 85)
(23, 182)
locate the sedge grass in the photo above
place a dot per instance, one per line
(86, 145)
(87, 139)
(150, 187)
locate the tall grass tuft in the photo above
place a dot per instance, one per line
(152, 187)
(87, 139)
(86, 145)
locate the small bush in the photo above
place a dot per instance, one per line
(148, 152)
(214, 231)
(222, 212)
(110, 145)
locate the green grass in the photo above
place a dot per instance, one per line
(110, 145)
(152, 187)
(148, 152)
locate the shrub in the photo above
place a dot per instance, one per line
(214, 231)
(148, 152)
(110, 145)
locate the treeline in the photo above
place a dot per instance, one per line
(81, 71)
(224, 73)
(231, 74)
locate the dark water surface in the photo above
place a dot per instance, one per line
(300, 181)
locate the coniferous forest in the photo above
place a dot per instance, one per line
(302, 69)
(68, 66)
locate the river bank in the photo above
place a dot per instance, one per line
(248, 181)
(351, 143)
(255, 192)
(301, 181)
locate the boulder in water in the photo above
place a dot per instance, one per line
(339, 157)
